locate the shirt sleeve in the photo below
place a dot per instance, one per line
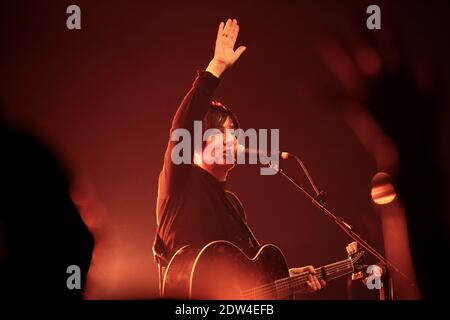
(192, 108)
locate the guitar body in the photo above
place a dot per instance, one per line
(220, 270)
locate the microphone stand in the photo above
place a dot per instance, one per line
(319, 202)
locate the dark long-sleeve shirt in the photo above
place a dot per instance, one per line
(193, 207)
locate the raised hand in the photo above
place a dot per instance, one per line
(224, 54)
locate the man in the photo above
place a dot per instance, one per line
(193, 206)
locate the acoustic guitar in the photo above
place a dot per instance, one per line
(222, 271)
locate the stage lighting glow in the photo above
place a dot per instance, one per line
(383, 192)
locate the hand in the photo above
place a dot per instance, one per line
(313, 283)
(224, 54)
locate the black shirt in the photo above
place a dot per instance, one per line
(193, 207)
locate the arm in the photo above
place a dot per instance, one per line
(197, 101)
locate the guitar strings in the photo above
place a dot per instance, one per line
(280, 291)
(330, 268)
(298, 281)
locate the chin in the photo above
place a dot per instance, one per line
(227, 167)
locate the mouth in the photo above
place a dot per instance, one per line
(228, 151)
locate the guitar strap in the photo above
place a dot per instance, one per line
(240, 215)
(159, 253)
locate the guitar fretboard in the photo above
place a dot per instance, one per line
(285, 287)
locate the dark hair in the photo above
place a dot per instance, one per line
(217, 115)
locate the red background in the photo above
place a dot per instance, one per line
(103, 98)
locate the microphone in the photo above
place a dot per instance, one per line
(257, 152)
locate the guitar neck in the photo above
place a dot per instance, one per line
(285, 287)
(335, 270)
(297, 283)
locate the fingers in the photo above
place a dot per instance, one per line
(312, 286)
(240, 51)
(228, 28)
(231, 29)
(309, 287)
(226, 39)
(313, 282)
(310, 269)
(234, 31)
(220, 31)
(317, 283)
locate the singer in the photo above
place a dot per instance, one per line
(193, 205)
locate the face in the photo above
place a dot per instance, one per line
(224, 142)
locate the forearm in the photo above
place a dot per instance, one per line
(193, 108)
(196, 102)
